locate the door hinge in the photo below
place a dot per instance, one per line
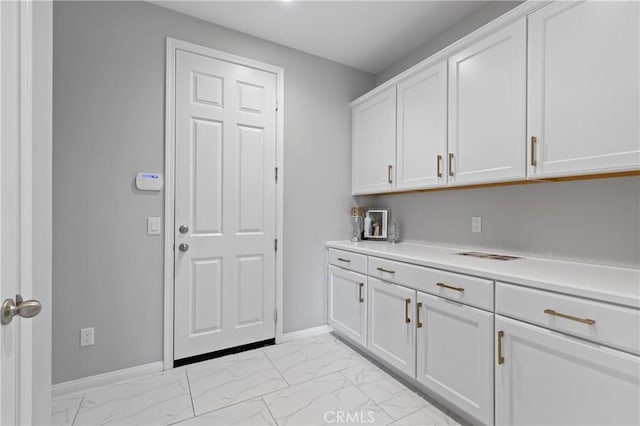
(276, 105)
(275, 244)
(276, 175)
(275, 316)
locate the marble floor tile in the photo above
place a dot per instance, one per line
(159, 399)
(64, 409)
(428, 416)
(305, 359)
(232, 379)
(248, 413)
(329, 399)
(391, 395)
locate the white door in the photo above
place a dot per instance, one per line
(455, 354)
(584, 88)
(547, 378)
(348, 304)
(374, 144)
(225, 213)
(487, 92)
(390, 329)
(422, 129)
(25, 345)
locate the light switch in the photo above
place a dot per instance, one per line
(153, 226)
(476, 224)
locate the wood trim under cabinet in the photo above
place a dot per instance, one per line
(517, 182)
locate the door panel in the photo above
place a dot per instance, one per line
(225, 195)
(390, 336)
(487, 89)
(577, 383)
(584, 87)
(422, 129)
(455, 354)
(348, 303)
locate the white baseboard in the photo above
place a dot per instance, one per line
(105, 379)
(308, 332)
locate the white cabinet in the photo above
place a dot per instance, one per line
(374, 143)
(391, 332)
(487, 92)
(584, 91)
(422, 129)
(547, 378)
(348, 304)
(455, 354)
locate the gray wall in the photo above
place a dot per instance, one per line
(466, 25)
(594, 221)
(109, 61)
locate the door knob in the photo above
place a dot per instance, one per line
(183, 247)
(23, 308)
(183, 229)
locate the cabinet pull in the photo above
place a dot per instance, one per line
(360, 293)
(344, 260)
(569, 317)
(389, 168)
(534, 143)
(439, 165)
(406, 311)
(443, 285)
(388, 271)
(451, 164)
(500, 357)
(418, 307)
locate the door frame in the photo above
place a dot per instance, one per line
(169, 191)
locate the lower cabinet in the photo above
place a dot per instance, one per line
(347, 304)
(546, 378)
(455, 354)
(391, 331)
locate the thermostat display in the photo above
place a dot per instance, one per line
(149, 181)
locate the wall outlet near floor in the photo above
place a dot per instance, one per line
(86, 336)
(476, 224)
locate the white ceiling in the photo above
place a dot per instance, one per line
(368, 35)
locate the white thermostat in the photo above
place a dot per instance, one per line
(149, 181)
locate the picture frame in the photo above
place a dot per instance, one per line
(376, 223)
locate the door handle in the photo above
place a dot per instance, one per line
(451, 164)
(19, 307)
(534, 142)
(360, 298)
(183, 229)
(500, 356)
(389, 179)
(418, 307)
(183, 247)
(439, 165)
(406, 311)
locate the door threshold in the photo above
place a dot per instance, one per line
(222, 352)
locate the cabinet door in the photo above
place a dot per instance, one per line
(347, 304)
(374, 144)
(391, 333)
(422, 129)
(455, 354)
(547, 378)
(584, 99)
(487, 85)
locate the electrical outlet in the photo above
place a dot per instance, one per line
(86, 336)
(476, 224)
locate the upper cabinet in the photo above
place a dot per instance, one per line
(481, 111)
(422, 129)
(584, 88)
(374, 143)
(487, 92)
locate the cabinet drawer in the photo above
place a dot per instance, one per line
(604, 323)
(348, 260)
(460, 288)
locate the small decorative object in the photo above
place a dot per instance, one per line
(356, 223)
(376, 223)
(394, 231)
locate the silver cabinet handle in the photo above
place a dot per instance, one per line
(360, 298)
(183, 229)
(183, 247)
(19, 307)
(388, 271)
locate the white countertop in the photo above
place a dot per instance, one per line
(605, 283)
